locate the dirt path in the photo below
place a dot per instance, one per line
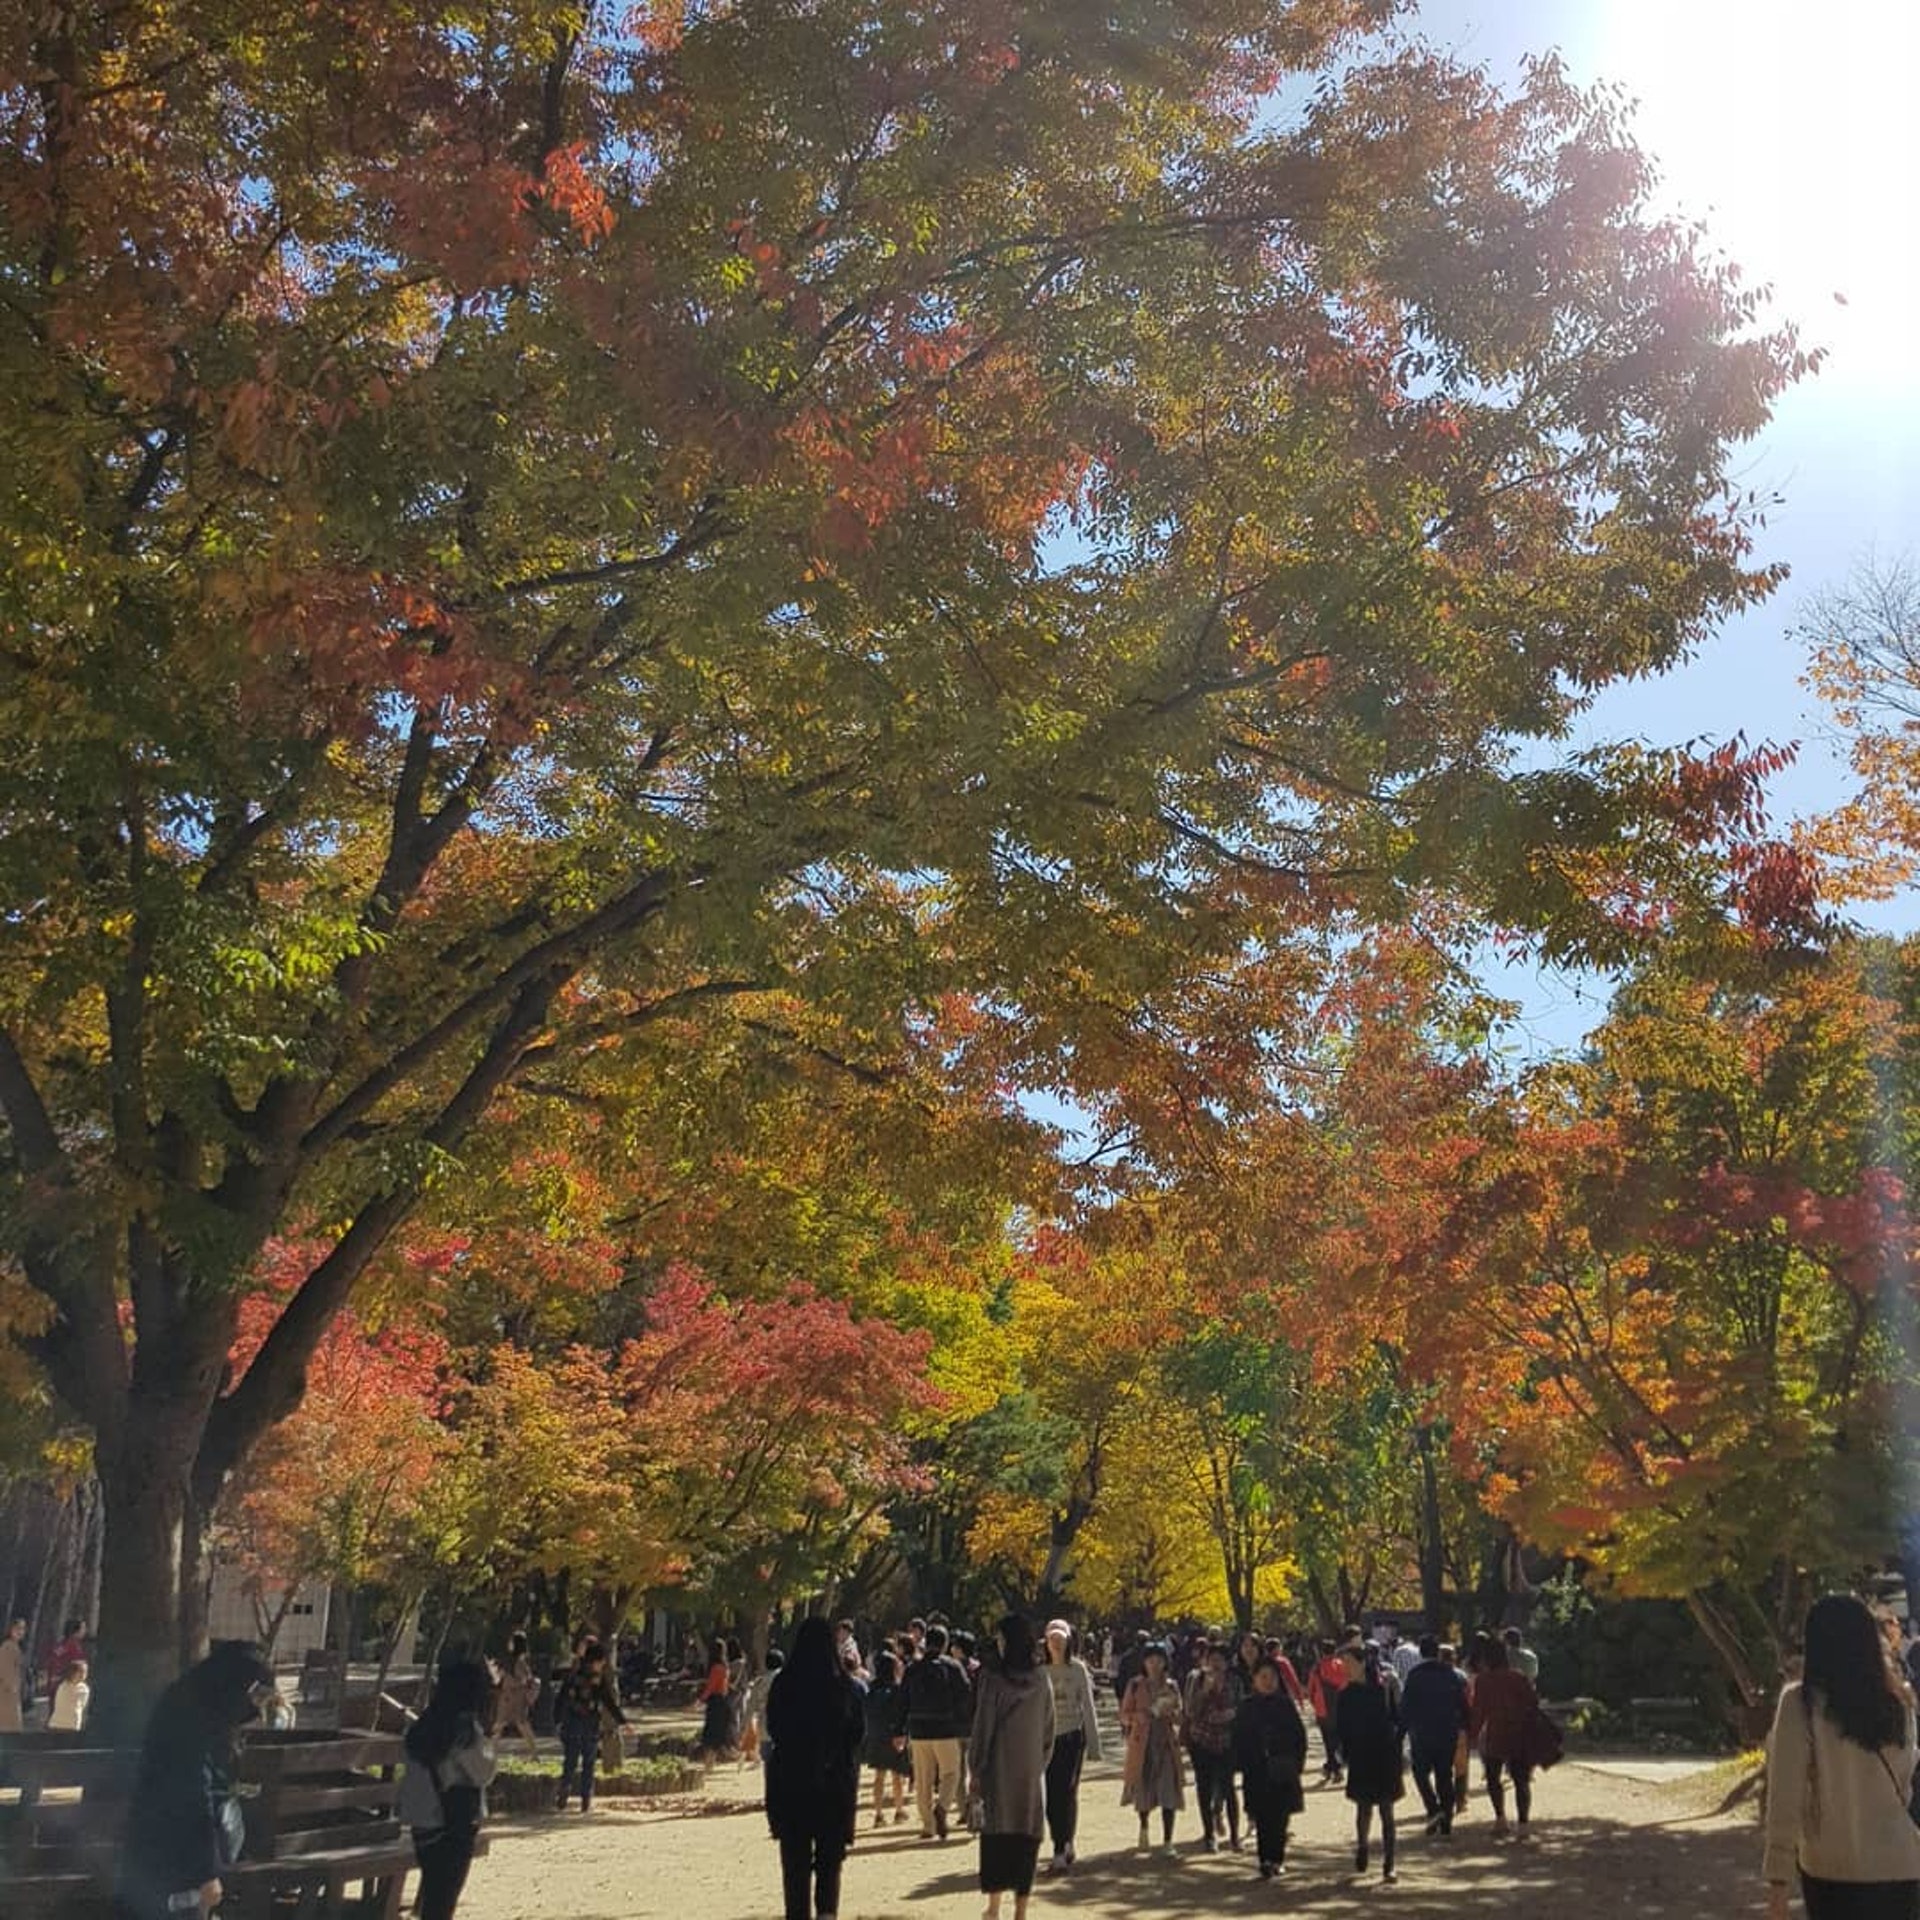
(1605, 1846)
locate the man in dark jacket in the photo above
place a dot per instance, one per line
(939, 1708)
(1433, 1709)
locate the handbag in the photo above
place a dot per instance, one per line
(1544, 1744)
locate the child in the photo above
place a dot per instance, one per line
(70, 1699)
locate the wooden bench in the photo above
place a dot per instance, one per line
(323, 1842)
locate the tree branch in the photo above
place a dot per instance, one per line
(273, 1385)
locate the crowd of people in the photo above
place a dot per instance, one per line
(994, 1737)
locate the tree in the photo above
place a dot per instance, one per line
(521, 523)
(332, 1493)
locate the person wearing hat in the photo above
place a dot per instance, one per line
(1076, 1739)
(1150, 1717)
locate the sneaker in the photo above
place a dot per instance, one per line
(1266, 1869)
(1067, 1856)
(1523, 1831)
(1433, 1825)
(1210, 1845)
(1500, 1828)
(940, 1822)
(1389, 1878)
(1143, 1842)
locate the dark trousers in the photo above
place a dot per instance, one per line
(1330, 1737)
(1363, 1821)
(1063, 1788)
(1433, 1781)
(810, 1870)
(1522, 1789)
(579, 1755)
(1270, 1824)
(444, 1859)
(1860, 1899)
(1213, 1787)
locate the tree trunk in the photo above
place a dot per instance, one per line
(1433, 1548)
(1749, 1716)
(145, 1491)
(391, 1648)
(1322, 1605)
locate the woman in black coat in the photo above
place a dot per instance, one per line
(1270, 1749)
(184, 1828)
(1368, 1721)
(815, 1728)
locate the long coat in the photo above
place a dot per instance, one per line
(1008, 1752)
(813, 1757)
(1152, 1776)
(1369, 1725)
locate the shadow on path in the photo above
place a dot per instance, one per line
(1680, 1870)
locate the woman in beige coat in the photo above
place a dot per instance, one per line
(1007, 1763)
(1150, 1719)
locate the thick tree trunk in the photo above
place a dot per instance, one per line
(145, 1488)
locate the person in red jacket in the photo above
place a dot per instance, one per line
(1323, 1694)
(1501, 1717)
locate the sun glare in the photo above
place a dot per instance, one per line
(1793, 130)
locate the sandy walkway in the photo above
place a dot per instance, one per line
(1606, 1846)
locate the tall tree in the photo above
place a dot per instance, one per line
(517, 520)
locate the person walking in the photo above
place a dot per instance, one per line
(939, 1703)
(716, 1696)
(815, 1727)
(515, 1694)
(1207, 1717)
(1323, 1694)
(1369, 1730)
(1433, 1709)
(886, 1750)
(1150, 1718)
(1840, 1767)
(13, 1678)
(70, 1700)
(1270, 1749)
(184, 1825)
(443, 1792)
(1501, 1720)
(583, 1709)
(1076, 1739)
(1007, 1755)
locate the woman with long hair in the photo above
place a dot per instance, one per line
(1840, 1767)
(815, 1728)
(1152, 1778)
(886, 1747)
(443, 1793)
(1367, 1712)
(716, 1694)
(1500, 1715)
(1007, 1757)
(184, 1826)
(1076, 1739)
(1207, 1714)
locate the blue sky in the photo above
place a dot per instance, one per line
(1790, 131)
